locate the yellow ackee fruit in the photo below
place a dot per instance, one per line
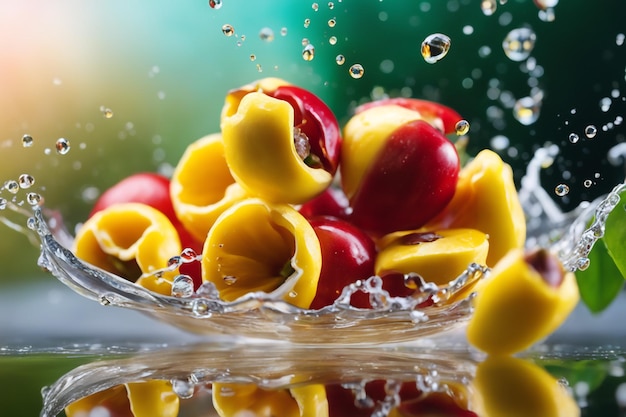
(524, 300)
(486, 200)
(202, 186)
(131, 240)
(258, 246)
(438, 256)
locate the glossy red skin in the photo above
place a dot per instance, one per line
(153, 190)
(316, 120)
(348, 254)
(412, 402)
(428, 109)
(410, 181)
(332, 202)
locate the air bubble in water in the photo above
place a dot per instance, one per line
(519, 43)
(435, 47)
(573, 137)
(561, 190)
(332, 22)
(591, 131)
(62, 146)
(27, 141)
(462, 127)
(308, 52)
(184, 389)
(215, 4)
(26, 181)
(526, 110)
(340, 59)
(182, 286)
(356, 71)
(488, 7)
(266, 34)
(12, 186)
(228, 30)
(332, 40)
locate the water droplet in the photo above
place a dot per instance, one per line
(308, 52)
(573, 137)
(587, 183)
(26, 181)
(252, 57)
(526, 110)
(106, 112)
(12, 186)
(27, 141)
(315, 7)
(619, 39)
(340, 59)
(332, 40)
(591, 131)
(215, 4)
(544, 4)
(200, 308)
(266, 34)
(283, 31)
(293, 294)
(229, 279)
(34, 199)
(462, 127)
(331, 5)
(228, 30)
(356, 71)
(3, 203)
(174, 262)
(435, 47)
(307, 22)
(183, 388)
(583, 263)
(332, 23)
(188, 255)
(62, 146)
(182, 286)
(488, 7)
(519, 43)
(561, 190)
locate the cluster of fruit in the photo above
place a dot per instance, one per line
(280, 201)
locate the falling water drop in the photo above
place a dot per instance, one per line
(182, 286)
(561, 190)
(526, 110)
(215, 4)
(435, 47)
(573, 138)
(356, 71)
(12, 186)
(228, 30)
(26, 181)
(591, 131)
(519, 43)
(488, 7)
(462, 127)
(308, 52)
(27, 141)
(340, 59)
(62, 146)
(266, 34)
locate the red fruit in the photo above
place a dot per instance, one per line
(153, 190)
(348, 255)
(332, 202)
(411, 179)
(429, 110)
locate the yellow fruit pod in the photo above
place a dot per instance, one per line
(232, 400)
(364, 144)
(260, 151)
(257, 246)
(139, 399)
(511, 387)
(202, 186)
(131, 240)
(438, 256)
(233, 97)
(486, 199)
(516, 305)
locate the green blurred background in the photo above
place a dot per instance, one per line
(163, 67)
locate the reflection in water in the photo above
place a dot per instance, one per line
(212, 379)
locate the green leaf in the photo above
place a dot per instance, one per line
(615, 234)
(601, 282)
